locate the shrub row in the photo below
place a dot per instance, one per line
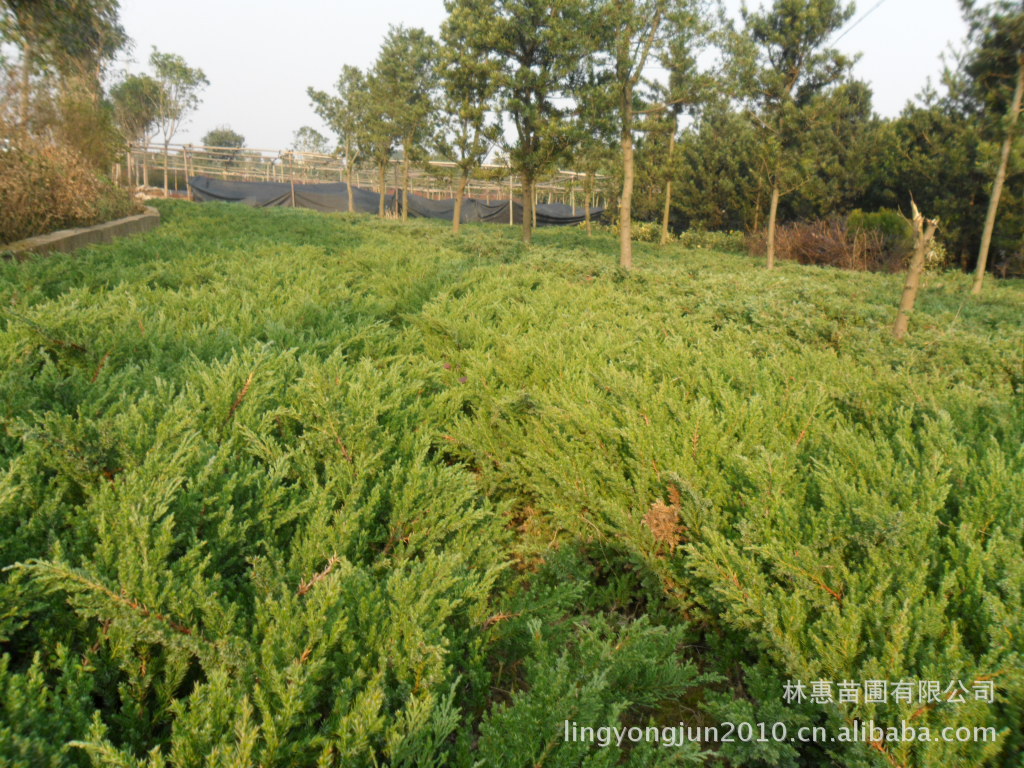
(881, 241)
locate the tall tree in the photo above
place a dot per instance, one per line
(468, 129)
(404, 74)
(538, 48)
(75, 39)
(376, 134)
(783, 64)
(180, 85)
(635, 34)
(995, 65)
(135, 100)
(341, 112)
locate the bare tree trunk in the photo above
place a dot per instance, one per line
(459, 196)
(626, 201)
(924, 230)
(527, 209)
(383, 188)
(773, 213)
(668, 189)
(589, 200)
(348, 175)
(997, 186)
(351, 194)
(405, 181)
(166, 168)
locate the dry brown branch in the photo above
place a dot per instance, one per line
(305, 586)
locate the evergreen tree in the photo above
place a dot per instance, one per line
(721, 185)
(404, 81)
(995, 65)
(634, 33)
(784, 68)
(538, 48)
(468, 90)
(376, 133)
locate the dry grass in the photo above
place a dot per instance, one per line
(828, 243)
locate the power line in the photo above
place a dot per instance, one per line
(853, 26)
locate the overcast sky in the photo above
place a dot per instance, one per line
(260, 56)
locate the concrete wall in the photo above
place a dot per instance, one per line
(73, 239)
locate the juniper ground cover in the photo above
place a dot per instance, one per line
(280, 488)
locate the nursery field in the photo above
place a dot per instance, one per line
(281, 488)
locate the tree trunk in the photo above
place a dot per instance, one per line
(668, 189)
(527, 209)
(348, 177)
(383, 188)
(997, 185)
(26, 83)
(626, 201)
(459, 195)
(405, 182)
(167, 160)
(772, 216)
(923, 238)
(589, 200)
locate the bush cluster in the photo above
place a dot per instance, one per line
(881, 241)
(696, 239)
(727, 242)
(49, 186)
(279, 488)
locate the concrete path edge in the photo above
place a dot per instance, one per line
(73, 239)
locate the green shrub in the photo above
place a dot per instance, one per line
(726, 242)
(897, 233)
(282, 488)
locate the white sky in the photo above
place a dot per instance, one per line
(260, 56)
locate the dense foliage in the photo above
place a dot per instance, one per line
(47, 186)
(281, 488)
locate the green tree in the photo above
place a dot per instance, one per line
(342, 113)
(539, 48)
(227, 144)
(135, 100)
(932, 151)
(309, 139)
(995, 65)
(404, 74)
(633, 34)
(719, 183)
(467, 130)
(224, 136)
(180, 85)
(784, 67)
(376, 134)
(75, 39)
